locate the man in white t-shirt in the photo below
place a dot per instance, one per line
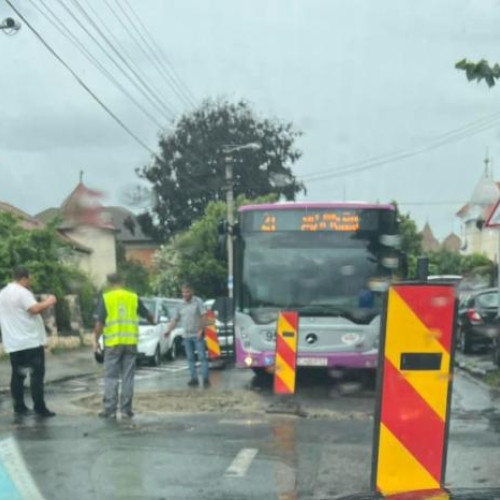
(23, 338)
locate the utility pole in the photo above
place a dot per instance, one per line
(230, 222)
(228, 161)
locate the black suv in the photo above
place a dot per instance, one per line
(478, 321)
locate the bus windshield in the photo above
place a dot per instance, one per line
(316, 273)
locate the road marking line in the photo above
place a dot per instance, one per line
(242, 462)
(13, 463)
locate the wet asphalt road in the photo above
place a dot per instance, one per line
(233, 455)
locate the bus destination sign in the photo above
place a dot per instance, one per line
(334, 220)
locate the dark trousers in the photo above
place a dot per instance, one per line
(30, 361)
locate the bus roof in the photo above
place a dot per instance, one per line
(312, 206)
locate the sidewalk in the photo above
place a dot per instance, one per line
(63, 365)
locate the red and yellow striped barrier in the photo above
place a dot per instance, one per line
(211, 337)
(286, 353)
(413, 406)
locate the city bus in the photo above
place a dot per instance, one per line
(330, 262)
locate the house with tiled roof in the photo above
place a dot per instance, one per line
(136, 244)
(475, 237)
(429, 241)
(81, 218)
(28, 222)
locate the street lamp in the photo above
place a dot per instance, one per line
(228, 151)
(10, 26)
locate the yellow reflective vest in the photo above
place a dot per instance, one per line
(122, 321)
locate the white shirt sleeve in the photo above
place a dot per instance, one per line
(27, 300)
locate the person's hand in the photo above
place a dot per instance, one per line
(51, 300)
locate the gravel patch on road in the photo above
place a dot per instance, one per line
(193, 401)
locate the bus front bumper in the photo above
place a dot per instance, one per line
(365, 359)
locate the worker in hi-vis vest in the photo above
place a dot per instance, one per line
(118, 312)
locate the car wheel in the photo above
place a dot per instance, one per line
(174, 352)
(464, 343)
(496, 351)
(156, 360)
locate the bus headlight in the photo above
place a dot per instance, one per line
(248, 361)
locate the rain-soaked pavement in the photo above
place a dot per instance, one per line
(222, 444)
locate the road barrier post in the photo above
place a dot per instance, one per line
(211, 337)
(414, 388)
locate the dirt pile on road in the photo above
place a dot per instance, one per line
(189, 401)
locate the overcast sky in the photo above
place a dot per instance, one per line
(360, 78)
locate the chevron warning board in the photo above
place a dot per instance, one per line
(286, 352)
(211, 337)
(411, 422)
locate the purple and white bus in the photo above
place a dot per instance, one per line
(328, 261)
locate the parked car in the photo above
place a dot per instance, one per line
(153, 346)
(478, 322)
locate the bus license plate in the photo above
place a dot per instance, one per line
(312, 361)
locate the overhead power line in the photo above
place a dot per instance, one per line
(137, 80)
(142, 44)
(69, 35)
(78, 79)
(455, 135)
(164, 61)
(121, 46)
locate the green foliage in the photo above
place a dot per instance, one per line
(198, 255)
(42, 252)
(189, 171)
(476, 263)
(444, 262)
(134, 274)
(479, 71)
(411, 239)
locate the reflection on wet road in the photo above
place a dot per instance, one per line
(189, 444)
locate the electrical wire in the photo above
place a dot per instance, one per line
(137, 81)
(455, 135)
(127, 55)
(162, 58)
(142, 44)
(67, 33)
(77, 78)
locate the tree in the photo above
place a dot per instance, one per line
(411, 239)
(42, 252)
(198, 255)
(479, 71)
(189, 171)
(135, 276)
(444, 262)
